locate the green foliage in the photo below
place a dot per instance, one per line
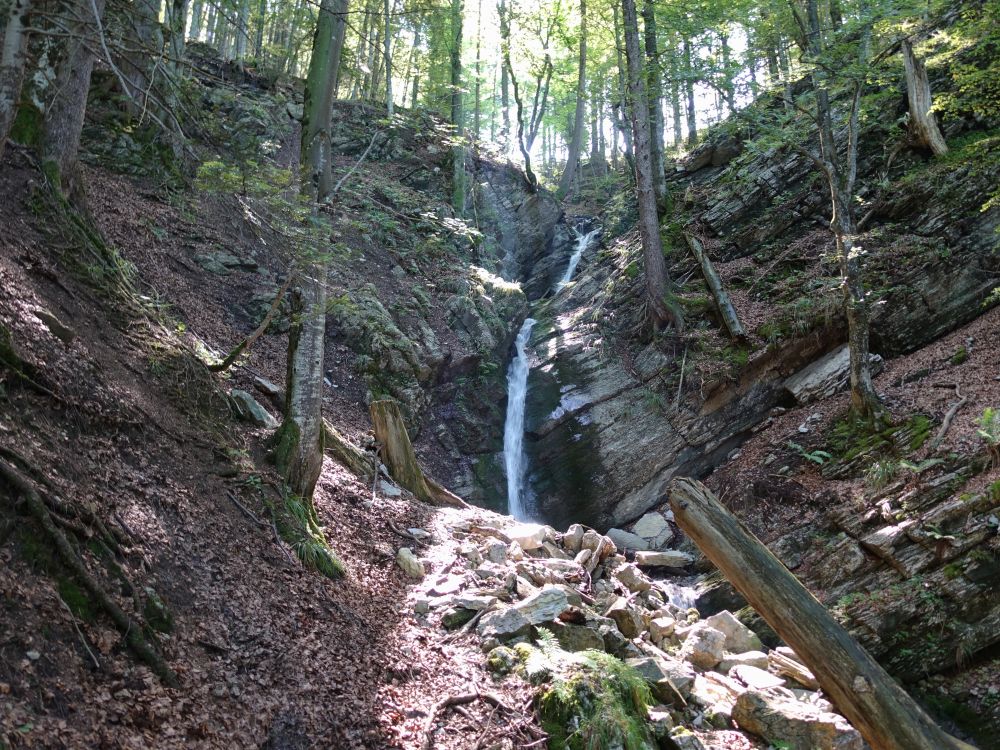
(961, 355)
(989, 426)
(817, 457)
(881, 472)
(299, 527)
(598, 702)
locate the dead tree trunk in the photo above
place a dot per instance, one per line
(871, 700)
(923, 126)
(397, 452)
(723, 302)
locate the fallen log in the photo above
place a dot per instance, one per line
(723, 301)
(397, 451)
(881, 710)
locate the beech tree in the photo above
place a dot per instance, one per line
(576, 139)
(661, 312)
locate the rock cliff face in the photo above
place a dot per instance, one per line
(610, 421)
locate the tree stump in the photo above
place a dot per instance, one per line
(399, 458)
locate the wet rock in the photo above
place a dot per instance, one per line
(794, 724)
(703, 646)
(409, 563)
(739, 638)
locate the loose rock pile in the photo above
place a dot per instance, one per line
(541, 601)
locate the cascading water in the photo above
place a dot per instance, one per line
(513, 432)
(583, 243)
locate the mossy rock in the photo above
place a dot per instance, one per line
(596, 702)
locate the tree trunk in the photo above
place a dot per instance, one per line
(299, 440)
(727, 80)
(598, 162)
(387, 54)
(13, 45)
(576, 141)
(504, 77)
(886, 716)
(457, 115)
(724, 303)
(841, 179)
(197, 16)
(649, 224)
(923, 127)
(654, 93)
(242, 32)
(675, 99)
(692, 118)
(620, 111)
(63, 123)
(478, 112)
(525, 153)
(399, 458)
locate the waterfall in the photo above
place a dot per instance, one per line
(513, 431)
(583, 242)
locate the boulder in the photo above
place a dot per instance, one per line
(794, 724)
(529, 536)
(739, 638)
(654, 529)
(543, 606)
(576, 637)
(628, 618)
(249, 409)
(756, 678)
(826, 376)
(704, 646)
(717, 695)
(573, 537)
(668, 682)
(409, 563)
(630, 577)
(661, 628)
(670, 558)
(750, 658)
(627, 540)
(474, 602)
(503, 625)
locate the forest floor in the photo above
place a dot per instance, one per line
(115, 417)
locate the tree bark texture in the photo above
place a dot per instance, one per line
(922, 125)
(63, 123)
(399, 458)
(457, 115)
(649, 222)
(881, 710)
(723, 301)
(13, 45)
(576, 140)
(654, 93)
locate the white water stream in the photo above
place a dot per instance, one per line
(583, 243)
(513, 431)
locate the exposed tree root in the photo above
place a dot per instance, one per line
(131, 631)
(948, 419)
(450, 701)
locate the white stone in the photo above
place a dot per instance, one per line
(750, 658)
(739, 638)
(754, 677)
(409, 563)
(703, 646)
(573, 537)
(528, 535)
(824, 377)
(670, 558)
